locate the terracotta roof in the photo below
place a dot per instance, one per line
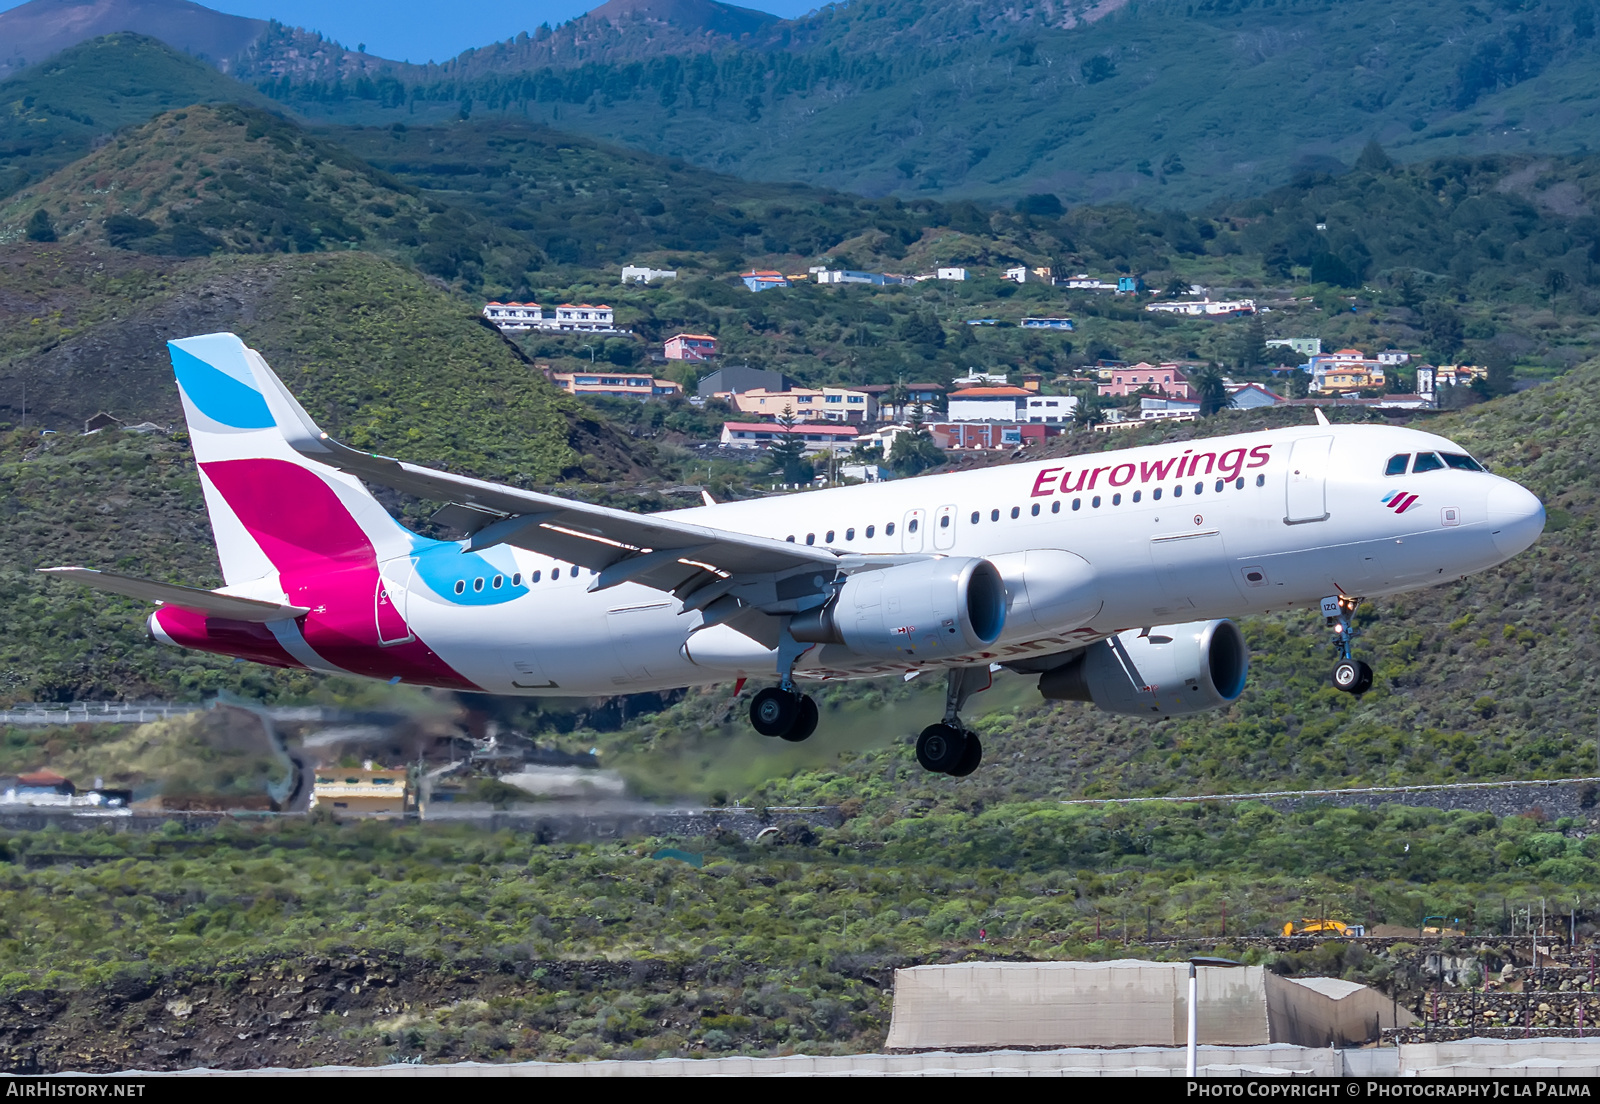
(990, 393)
(697, 337)
(799, 427)
(41, 777)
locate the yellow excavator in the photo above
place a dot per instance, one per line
(1320, 927)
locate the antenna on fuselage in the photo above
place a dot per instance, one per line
(1322, 419)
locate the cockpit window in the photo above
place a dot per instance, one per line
(1461, 462)
(1426, 461)
(1397, 464)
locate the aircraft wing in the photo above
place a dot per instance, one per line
(170, 594)
(733, 577)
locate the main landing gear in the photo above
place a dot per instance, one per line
(948, 747)
(786, 714)
(1350, 675)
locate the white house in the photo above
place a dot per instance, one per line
(1151, 409)
(1017, 274)
(1206, 308)
(575, 317)
(951, 274)
(1084, 282)
(838, 439)
(640, 274)
(1050, 409)
(987, 404)
(1391, 358)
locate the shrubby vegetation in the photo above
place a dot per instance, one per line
(789, 946)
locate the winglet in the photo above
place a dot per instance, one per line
(705, 496)
(1322, 419)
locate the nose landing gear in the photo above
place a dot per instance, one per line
(1350, 675)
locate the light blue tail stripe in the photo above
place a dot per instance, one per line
(218, 395)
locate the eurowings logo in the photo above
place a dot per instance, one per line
(1399, 501)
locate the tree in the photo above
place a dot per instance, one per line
(1326, 268)
(1213, 390)
(787, 453)
(1097, 69)
(1373, 159)
(1175, 287)
(1297, 384)
(1090, 411)
(1443, 326)
(1252, 349)
(914, 451)
(1043, 204)
(40, 228)
(922, 328)
(1502, 376)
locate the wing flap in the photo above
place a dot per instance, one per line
(170, 594)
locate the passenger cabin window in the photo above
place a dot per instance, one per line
(1095, 502)
(1016, 512)
(888, 530)
(871, 529)
(1116, 499)
(1155, 495)
(994, 515)
(829, 538)
(912, 525)
(1035, 510)
(1076, 503)
(1055, 507)
(974, 517)
(516, 580)
(1137, 495)
(535, 576)
(1426, 462)
(849, 534)
(811, 538)
(1461, 462)
(1397, 464)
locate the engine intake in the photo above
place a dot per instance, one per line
(941, 607)
(1167, 671)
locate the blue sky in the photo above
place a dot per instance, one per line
(420, 30)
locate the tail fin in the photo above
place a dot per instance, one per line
(272, 510)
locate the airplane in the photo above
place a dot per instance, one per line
(1111, 576)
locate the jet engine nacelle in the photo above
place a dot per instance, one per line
(1164, 671)
(929, 608)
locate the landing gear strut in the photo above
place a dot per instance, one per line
(1350, 675)
(949, 747)
(782, 710)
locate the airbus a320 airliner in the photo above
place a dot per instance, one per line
(1109, 576)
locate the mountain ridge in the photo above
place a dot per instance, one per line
(36, 31)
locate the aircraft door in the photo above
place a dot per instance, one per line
(1307, 498)
(944, 528)
(389, 603)
(911, 527)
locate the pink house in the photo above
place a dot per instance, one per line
(687, 346)
(1166, 380)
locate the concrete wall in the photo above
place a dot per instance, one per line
(1123, 1003)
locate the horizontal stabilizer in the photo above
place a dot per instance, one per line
(170, 594)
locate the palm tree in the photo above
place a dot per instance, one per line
(1212, 388)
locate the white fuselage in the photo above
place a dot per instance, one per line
(1088, 545)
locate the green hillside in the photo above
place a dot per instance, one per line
(226, 178)
(1161, 103)
(57, 111)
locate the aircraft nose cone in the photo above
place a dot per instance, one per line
(1516, 518)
